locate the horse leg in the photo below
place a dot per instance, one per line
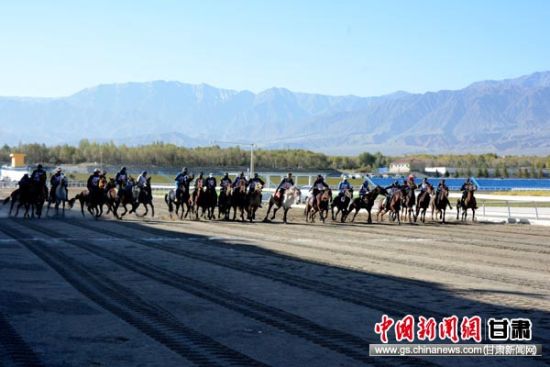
(285, 212)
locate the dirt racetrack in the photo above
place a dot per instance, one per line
(162, 292)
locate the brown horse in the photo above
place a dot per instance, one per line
(469, 202)
(366, 202)
(318, 204)
(409, 201)
(238, 199)
(254, 200)
(441, 203)
(224, 202)
(423, 202)
(341, 203)
(393, 207)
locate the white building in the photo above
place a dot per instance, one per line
(440, 170)
(400, 167)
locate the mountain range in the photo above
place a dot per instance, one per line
(507, 117)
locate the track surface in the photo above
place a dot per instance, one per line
(175, 293)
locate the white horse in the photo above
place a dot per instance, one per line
(291, 197)
(61, 196)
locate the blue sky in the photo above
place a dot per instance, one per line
(55, 48)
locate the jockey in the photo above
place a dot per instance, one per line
(284, 185)
(394, 187)
(182, 181)
(142, 180)
(252, 183)
(465, 187)
(364, 190)
(239, 179)
(121, 178)
(410, 182)
(56, 180)
(25, 181)
(199, 182)
(39, 176)
(211, 182)
(344, 186)
(225, 181)
(318, 185)
(424, 185)
(440, 186)
(93, 183)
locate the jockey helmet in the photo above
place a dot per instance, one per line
(96, 170)
(396, 182)
(123, 168)
(58, 169)
(411, 177)
(210, 175)
(319, 176)
(184, 170)
(468, 180)
(104, 173)
(39, 166)
(256, 175)
(289, 174)
(226, 174)
(144, 173)
(200, 174)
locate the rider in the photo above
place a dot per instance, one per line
(344, 186)
(466, 187)
(394, 187)
(410, 184)
(25, 181)
(225, 181)
(122, 180)
(40, 177)
(239, 179)
(284, 185)
(199, 182)
(364, 190)
(252, 183)
(93, 183)
(318, 185)
(142, 180)
(56, 180)
(440, 186)
(182, 181)
(211, 182)
(102, 179)
(424, 185)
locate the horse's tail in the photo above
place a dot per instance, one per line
(71, 202)
(169, 203)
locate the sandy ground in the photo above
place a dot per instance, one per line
(163, 292)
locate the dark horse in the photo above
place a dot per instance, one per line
(366, 202)
(409, 199)
(254, 200)
(205, 200)
(31, 197)
(238, 200)
(291, 196)
(469, 202)
(125, 197)
(423, 202)
(393, 207)
(341, 203)
(224, 202)
(145, 198)
(441, 203)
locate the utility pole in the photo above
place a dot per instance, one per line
(251, 145)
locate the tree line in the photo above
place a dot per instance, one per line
(169, 155)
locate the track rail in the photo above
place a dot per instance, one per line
(147, 317)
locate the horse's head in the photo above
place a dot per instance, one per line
(258, 187)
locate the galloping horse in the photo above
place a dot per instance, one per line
(318, 204)
(341, 203)
(224, 202)
(291, 196)
(409, 201)
(60, 196)
(238, 199)
(179, 199)
(469, 202)
(423, 202)
(366, 202)
(125, 197)
(205, 200)
(393, 208)
(441, 203)
(254, 200)
(145, 198)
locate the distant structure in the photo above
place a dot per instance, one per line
(439, 170)
(16, 170)
(400, 167)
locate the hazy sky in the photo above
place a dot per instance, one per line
(55, 48)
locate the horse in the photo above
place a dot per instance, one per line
(60, 196)
(144, 196)
(393, 207)
(125, 197)
(291, 196)
(318, 204)
(179, 199)
(365, 202)
(254, 200)
(14, 197)
(423, 202)
(469, 202)
(224, 202)
(441, 203)
(409, 201)
(341, 202)
(238, 199)
(205, 199)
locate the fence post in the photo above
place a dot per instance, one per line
(483, 207)
(509, 211)
(536, 210)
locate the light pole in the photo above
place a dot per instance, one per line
(251, 145)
